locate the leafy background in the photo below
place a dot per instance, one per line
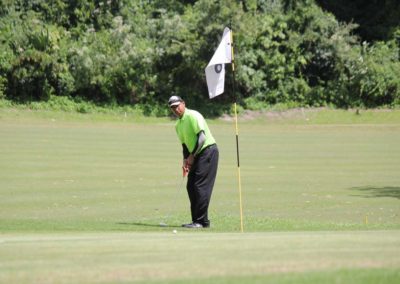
(138, 53)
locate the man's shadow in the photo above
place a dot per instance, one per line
(139, 224)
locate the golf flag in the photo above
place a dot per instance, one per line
(215, 76)
(215, 70)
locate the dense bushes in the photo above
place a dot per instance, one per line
(140, 52)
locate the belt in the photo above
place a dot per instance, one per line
(208, 148)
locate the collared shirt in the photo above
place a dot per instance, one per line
(189, 125)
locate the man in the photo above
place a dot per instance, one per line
(200, 159)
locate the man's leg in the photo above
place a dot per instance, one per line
(190, 187)
(205, 173)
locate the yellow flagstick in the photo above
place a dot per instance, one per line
(237, 139)
(238, 171)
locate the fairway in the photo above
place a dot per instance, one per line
(82, 199)
(201, 257)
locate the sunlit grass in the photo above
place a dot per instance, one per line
(83, 197)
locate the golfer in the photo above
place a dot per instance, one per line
(200, 160)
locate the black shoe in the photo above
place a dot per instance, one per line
(206, 225)
(193, 225)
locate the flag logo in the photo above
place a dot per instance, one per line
(218, 68)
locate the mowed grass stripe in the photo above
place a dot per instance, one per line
(111, 257)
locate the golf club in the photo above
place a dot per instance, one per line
(179, 188)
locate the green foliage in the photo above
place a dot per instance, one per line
(380, 85)
(74, 105)
(367, 76)
(377, 20)
(5, 58)
(121, 52)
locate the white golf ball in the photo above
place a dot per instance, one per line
(174, 231)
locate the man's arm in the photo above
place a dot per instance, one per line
(185, 164)
(201, 138)
(185, 151)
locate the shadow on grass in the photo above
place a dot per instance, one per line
(138, 224)
(374, 191)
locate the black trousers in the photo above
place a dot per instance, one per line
(200, 183)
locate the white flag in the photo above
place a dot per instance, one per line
(215, 70)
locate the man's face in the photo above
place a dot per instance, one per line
(179, 109)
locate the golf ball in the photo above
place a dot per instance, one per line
(174, 231)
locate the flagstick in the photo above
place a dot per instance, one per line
(237, 139)
(238, 170)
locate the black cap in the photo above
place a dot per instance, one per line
(174, 101)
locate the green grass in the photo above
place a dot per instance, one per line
(187, 257)
(321, 195)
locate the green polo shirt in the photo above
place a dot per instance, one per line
(189, 125)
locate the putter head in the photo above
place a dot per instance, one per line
(162, 224)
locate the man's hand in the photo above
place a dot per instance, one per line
(187, 164)
(185, 171)
(190, 160)
(185, 167)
